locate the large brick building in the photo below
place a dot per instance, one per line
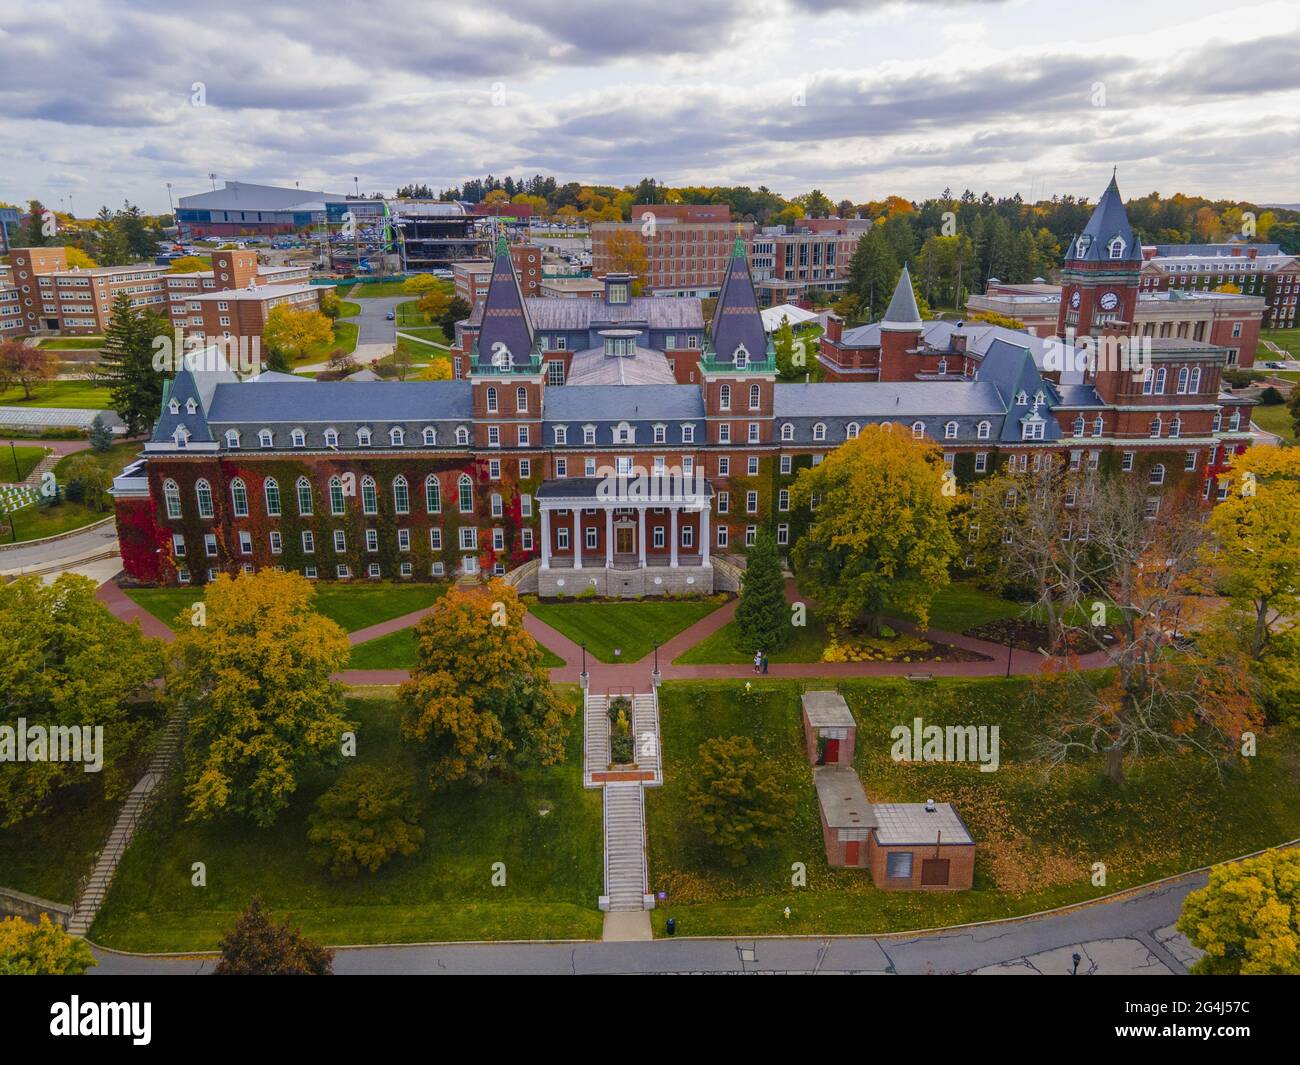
(620, 444)
(1263, 271)
(230, 300)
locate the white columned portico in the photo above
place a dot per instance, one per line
(641, 513)
(546, 538)
(704, 535)
(609, 537)
(672, 558)
(577, 538)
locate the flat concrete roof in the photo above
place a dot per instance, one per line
(827, 709)
(903, 823)
(843, 802)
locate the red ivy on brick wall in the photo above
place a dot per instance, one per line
(145, 545)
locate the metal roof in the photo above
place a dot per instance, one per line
(904, 823)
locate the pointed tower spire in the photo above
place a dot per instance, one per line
(506, 336)
(737, 326)
(1107, 237)
(902, 313)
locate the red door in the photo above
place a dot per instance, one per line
(850, 848)
(832, 755)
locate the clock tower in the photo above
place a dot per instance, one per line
(1099, 281)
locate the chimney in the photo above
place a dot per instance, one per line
(834, 327)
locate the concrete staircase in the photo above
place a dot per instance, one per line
(645, 729)
(625, 867)
(138, 803)
(595, 737)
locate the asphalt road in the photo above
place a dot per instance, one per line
(373, 326)
(69, 547)
(1124, 935)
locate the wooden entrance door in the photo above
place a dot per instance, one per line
(934, 872)
(851, 852)
(832, 754)
(623, 540)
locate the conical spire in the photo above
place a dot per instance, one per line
(506, 331)
(902, 311)
(737, 325)
(1108, 224)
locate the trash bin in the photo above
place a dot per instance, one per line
(672, 926)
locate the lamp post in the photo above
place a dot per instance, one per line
(583, 679)
(13, 450)
(655, 677)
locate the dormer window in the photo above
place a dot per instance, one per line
(430, 436)
(190, 406)
(1032, 428)
(787, 431)
(588, 434)
(819, 431)
(462, 435)
(950, 431)
(1084, 243)
(918, 430)
(1116, 248)
(181, 436)
(265, 438)
(298, 438)
(618, 292)
(624, 434)
(1039, 399)
(741, 356)
(982, 431)
(173, 407)
(852, 430)
(396, 436)
(331, 438)
(363, 437)
(1022, 399)
(561, 434)
(232, 438)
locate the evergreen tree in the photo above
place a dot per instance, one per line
(101, 436)
(873, 273)
(135, 387)
(33, 233)
(762, 615)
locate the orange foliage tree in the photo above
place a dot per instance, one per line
(479, 698)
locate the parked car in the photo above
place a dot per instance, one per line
(391, 316)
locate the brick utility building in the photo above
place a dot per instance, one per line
(52, 297)
(830, 733)
(529, 459)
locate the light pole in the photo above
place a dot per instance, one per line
(13, 450)
(583, 679)
(655, 677)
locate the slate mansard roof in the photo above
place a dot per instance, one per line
(1109, 220)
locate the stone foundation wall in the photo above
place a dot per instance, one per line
(625, 583)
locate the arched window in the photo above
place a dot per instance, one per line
(851, 430)
(1078, 425)
(1022, 399)
(1117, 248)
(239, 497)
(819, 431)
(724, 397)
(396, 436)
(1156, 426)
(401, 495)
(265, 438)
(369, 497)
(172, 497)
(1184, 375)
(521, 399)
(363, 437)
(462, 435)
(755, 397)
(1161, 375)
(331, 438)
(787, 431)
(943, 366)
(232, 438)
(950, 431)
(298, 438)
(1195, 386)
(174, 407)
(432, 495)
(492, 400)
(1098, 425)
(203, 493)
(1176, 426)
(918, 430)
(430, 436)
(271, 490)
(1157, 474)
(466, 491)
(304, 496)
(982, 430)
(336, 495)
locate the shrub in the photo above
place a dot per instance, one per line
(367, 818)
(1271, 397)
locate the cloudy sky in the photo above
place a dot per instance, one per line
(112, 99)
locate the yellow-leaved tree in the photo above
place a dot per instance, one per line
(253, 679)
(289, 333)
(479, 698)
(42, 949)
(879, 534)
(1247, 918)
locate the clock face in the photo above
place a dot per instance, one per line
(1109, 301)
(1074, 300)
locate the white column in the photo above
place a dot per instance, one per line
(642, 514)
(704, 534)
(577, 538)
(546, 538)
(672, 534)
(609, 537)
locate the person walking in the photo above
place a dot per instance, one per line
(758, 661)
(765, 663)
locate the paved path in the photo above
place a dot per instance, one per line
(1133, 934)
(123, 607)
(78, 545)
(376, 335)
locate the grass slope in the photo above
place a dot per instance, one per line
(631, 626)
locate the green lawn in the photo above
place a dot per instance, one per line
(71, 343)
(1286, 339)
(353, 606)
(47, 854)
(1275, 419)
(542, 824)
(955, 608)
(630, 626)
(1037, 835)
(34, 523)
(380, 288)
(27, 458)
(345, 339)
(79, 394)
(348, 309)
(397, 651)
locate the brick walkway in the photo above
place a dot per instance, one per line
(123, 607)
